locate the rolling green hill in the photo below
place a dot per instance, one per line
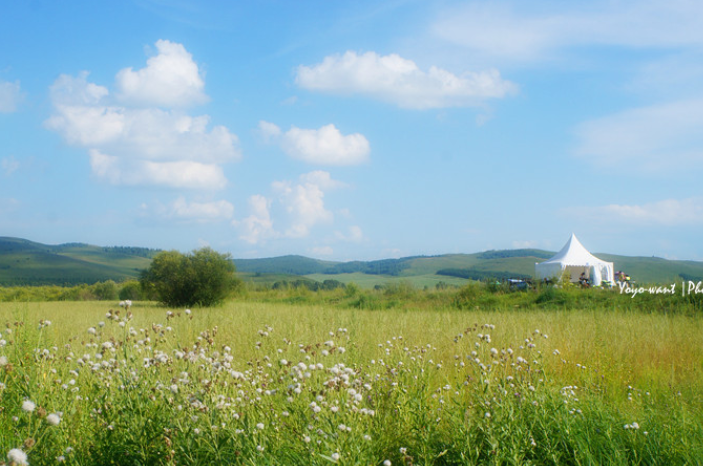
(24, 262)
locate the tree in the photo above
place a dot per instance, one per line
(203, 277)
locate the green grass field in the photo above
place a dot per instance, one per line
(269, 383)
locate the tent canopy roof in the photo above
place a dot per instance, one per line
(573, 253)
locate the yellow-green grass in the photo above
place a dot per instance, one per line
(368, 281)
(623, 348)
(445, 386)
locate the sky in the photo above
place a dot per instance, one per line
(354, 130)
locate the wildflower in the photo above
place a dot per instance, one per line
(335, 456)
(28, 406)
(387, 463)
(260, 426)
(17, 456)
(3, 361)
(53, 419)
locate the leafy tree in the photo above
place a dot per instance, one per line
(203, 277)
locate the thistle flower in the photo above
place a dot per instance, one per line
(28, 406)
(17, 456)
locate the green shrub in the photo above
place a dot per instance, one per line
(203, 277)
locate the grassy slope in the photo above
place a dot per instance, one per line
(24, 262)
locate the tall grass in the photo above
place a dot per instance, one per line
(263, 383)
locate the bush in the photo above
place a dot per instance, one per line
(203, 277)
(131, 290)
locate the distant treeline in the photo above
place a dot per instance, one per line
(480, 275)
(391, 267)
(298, 265)
(507, 253)
(311, 285)
(132, 251)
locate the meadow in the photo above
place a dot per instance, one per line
(296, 379)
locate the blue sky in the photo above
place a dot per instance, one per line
(354, 130)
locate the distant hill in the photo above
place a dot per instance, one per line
(24, 262)
(499, 264)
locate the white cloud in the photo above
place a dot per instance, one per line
(202, 211)
(142, 146)
(400, 81)
(510, 30)
(668, 212)
(269, 131)
(659, 137)
(355, 235)
(179, 174)
(10, 96)
(170, 79)
(324, 146)
(302, 205)
(258, 226)
(305, 206)
(197, 212)
(322, 179)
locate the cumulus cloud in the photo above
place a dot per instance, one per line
(10, 96)
(324, 146)
(170, 79)
(144, 145)
(180, 174)
(668, 212)
(509, 30)
(305, 205)
(665, 136)
(300, 205)
(400, 81)
(258, 226)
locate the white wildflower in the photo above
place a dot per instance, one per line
(17, 456)
(28, 406)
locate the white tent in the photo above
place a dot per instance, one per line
(575, 259)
